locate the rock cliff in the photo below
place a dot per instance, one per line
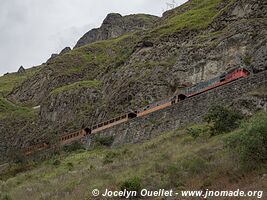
(115, 25)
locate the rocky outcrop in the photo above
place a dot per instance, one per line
(21, 70)
(115, 25)
(54, 55)
(72, 108)
(65, 50)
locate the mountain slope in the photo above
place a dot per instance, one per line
(115, 25)
(191, 43)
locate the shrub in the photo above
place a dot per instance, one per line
(77, 145)
(70, 166)
(222, 119)
(56, 163)
(133, 184)
(104, 141)
(198, 130)
(250, 143)
(109, 158)
(15, 169)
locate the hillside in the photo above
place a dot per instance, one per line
(112, 74)
(175, 160)
(214, 140)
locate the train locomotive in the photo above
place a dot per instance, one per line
(183, 94)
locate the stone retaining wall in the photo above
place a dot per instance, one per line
(183, 113)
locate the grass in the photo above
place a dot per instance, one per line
(143, 17)
(173, 160)
(8, 109)
(77, 85)
(199, 14)
(92, 60)
(9, 81)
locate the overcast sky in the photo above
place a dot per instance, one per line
(31, 30)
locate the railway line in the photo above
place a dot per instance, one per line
(188, 92)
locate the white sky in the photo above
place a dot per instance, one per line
(31, 30)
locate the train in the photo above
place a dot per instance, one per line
(181, 95)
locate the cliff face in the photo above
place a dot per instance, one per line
(115, 25)
(103, 78)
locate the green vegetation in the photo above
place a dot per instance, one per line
(9, 81)
(8, 109)
(247, 60)
(143, 17)
(95, 58)
(222, 119)
(75, 146)
(104, 141)
(77, 85)
(133, 184)
(109, 157)
(199, 130)
(199, 14)
(173, 160)
(250, 142)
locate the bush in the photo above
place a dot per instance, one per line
(133, 184)
(70, 166)
(104, 141)
(56, 163)
(109, 158)
(222, 119)
(77, 145)
(250, 143)
(15, 168)
(198, 130)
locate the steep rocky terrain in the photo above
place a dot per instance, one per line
(134, 60)
(115, 25)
